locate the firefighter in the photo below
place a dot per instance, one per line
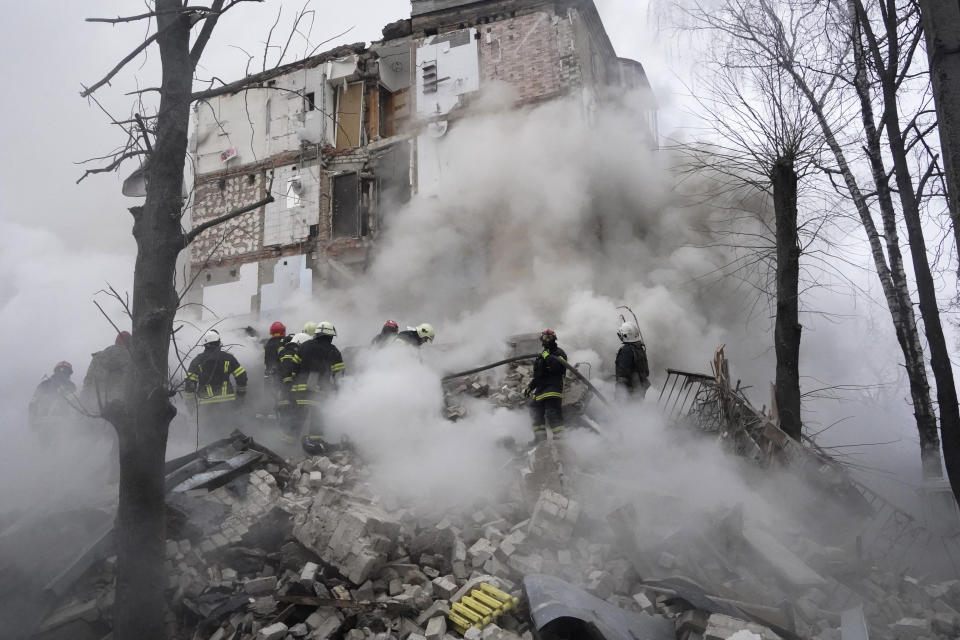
(546, 388)
(108, 372)
(417, 336)
(321, 368)
(51, 403)
(290, 413)
(209, 388)
(271, 351)
(387, 334)
(633, 372)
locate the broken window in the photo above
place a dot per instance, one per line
(346, 206)
(349, 115)
(294, 192)
(309, 102)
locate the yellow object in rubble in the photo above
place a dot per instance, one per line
(480, 607)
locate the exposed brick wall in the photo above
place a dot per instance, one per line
(242, 235)
(523, 52)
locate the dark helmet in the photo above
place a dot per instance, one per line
(63, 367)
(548, 337)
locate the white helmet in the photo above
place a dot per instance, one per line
(210, 337)
(628, 332)
(300, 338)
(326, 329)
(310, 328)
(426, 332)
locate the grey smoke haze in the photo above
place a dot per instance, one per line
(579, 221)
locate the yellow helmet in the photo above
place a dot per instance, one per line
(326, 329)
(310, 328)
(426, 332)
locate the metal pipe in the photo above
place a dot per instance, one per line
(454, 376)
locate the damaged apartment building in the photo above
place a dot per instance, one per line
(344, 138)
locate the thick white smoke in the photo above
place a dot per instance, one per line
(47, 314)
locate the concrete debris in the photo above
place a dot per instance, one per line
(355, 537)
(273, 632)
(304, 549)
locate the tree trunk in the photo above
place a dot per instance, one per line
(144, 422)
(787, 328)
(941, 24)
(907, 334)
(940, 363)
(904, 322)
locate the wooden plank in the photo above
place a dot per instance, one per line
(349, 115)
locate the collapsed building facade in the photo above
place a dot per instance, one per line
(344, 138)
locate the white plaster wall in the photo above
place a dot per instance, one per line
(458, 69)
(284, 221)
(292, 283)
(260, 123)
(231, 298)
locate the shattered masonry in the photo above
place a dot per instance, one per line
(350, 134)
(262, 548)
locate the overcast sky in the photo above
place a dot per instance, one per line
(51, 51)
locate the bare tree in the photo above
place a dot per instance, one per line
(813, 44)
(143, 417)
(885, 38)
(763, 139)
(941, 24)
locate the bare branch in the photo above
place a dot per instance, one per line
(106, 79)
(113, 165)
(152, 14)
(205, 32)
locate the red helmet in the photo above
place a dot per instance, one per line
(277, 329)
(63, 364)
(123, 338)
(390, 324)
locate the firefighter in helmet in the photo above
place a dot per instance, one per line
(417, 336)
(387, 334)
(209, 388)
(320, 370)
(632, 369)
(51, 402)
(546, 388)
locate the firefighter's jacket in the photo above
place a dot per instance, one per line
(632, 369)
(320, 365)
(410, 337)
(107, 375)
(383, 338)
(50, 401)
(548, 373)
(208, 378)
(271, 355)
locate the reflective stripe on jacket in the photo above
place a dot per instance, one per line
(208, 377)
(548, 373)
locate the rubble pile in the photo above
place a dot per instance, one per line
(308, 551)
(262, 548)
